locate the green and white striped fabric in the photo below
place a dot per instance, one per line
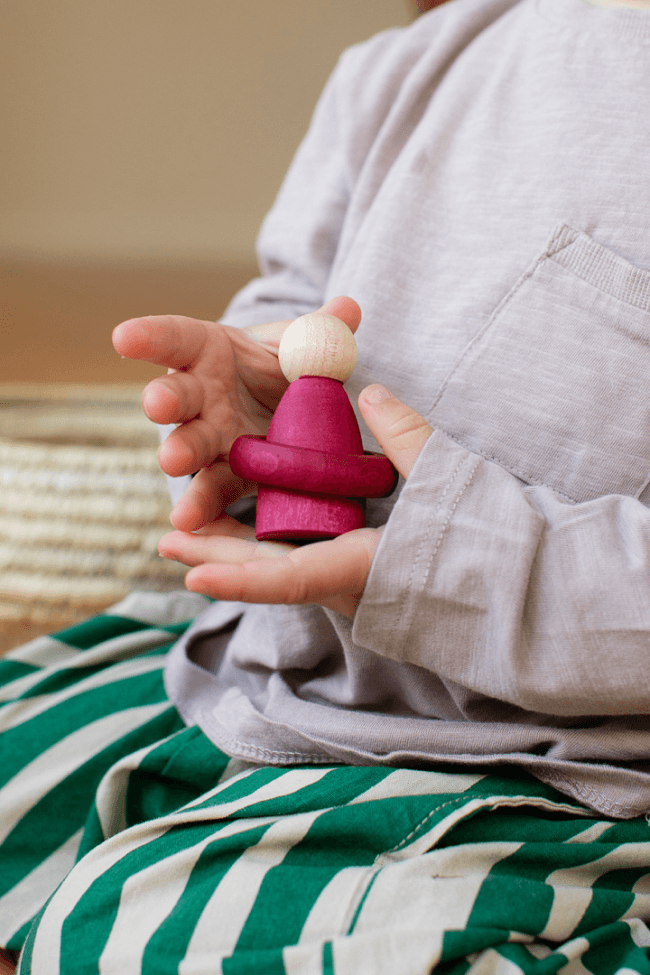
(129, 844)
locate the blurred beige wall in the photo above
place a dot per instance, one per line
(157, 130)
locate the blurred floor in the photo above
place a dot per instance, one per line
(56, 320)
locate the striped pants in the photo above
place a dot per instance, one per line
(129, 844)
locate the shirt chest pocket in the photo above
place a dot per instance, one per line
(556, 386)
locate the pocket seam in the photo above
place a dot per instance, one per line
(561, 238)
(522, 475)
(606, 271)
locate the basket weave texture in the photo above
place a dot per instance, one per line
(82, 505)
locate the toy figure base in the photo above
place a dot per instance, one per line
(284, 515)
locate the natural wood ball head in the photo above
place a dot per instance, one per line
(318, 345)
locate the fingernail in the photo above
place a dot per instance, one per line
(376, 394)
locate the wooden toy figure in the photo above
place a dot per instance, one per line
(311, 467)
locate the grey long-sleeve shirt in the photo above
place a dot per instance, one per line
(479, 183)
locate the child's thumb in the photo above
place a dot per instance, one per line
(400, 431)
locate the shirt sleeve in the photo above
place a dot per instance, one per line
(512, 592)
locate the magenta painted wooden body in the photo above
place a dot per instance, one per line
(311, 466)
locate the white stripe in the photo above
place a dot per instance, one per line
(389, 951)
(235, 767)
(51, 767)
(224, 916)
(114, 650)
(575, 950)
(110, 796)
(285, 784)
(124, 646)
(304, 959)
(27, 897)
(406, 782)
(540, 952)
(490, 962)
(333, 909)
(435, 890)
(642, 886)
(639, 932)
(160, 609)
(16, 713)
(567, 910)
(640, 907)
(42, 652)
(591, 834)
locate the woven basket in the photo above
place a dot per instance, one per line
(82, 506)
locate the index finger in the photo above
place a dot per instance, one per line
(166, 340)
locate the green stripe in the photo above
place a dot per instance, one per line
(97, 630)
(328, 959)
(11, 670)
(361, 904)
(93, 833)
(56, 680)
(25, 966)
(611, 897)
(626, 831)
(525, 825)
(255, 963)
(179, 771)
(514, 894)
(458, 967)
(457, 944)
(239, 788)
(612, 948)
(309, 797)
(21, 745)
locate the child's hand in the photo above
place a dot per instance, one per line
(222, 382)
(231, 564)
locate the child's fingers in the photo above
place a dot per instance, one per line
(166, 340)
(270, 334)
(211, 491)
(225, 541)
(194, 445)
(175, 398)
(271, 572)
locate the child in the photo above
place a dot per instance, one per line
(477, 184)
